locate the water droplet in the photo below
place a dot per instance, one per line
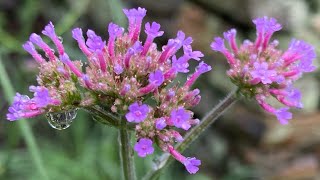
(61, 120)
(60, 38)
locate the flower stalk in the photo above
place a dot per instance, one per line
(126, 153)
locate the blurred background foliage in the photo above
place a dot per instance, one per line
(244, 144)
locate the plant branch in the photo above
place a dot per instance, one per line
(107, 118)
(193, 134)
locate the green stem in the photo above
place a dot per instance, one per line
(107, 118)
(192, 135)
(126, 153)
(23, 125)
(104, 116)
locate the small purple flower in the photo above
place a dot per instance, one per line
(267, 25)
(300, 50)
(29, 47)
(294, 96)
(180, 118)
(49, 31)
(41, 96)
(283, 115)
(153, 30)
(203, 68)
(192, 164)
(160, 123)
(218, 45)
(77, 34)
(141, 12)
(135, 17)
(156, 78)
(192, 54)
(230, 35)
(118, 69)
(16, 107)
(137, 113)
(94, 42)
(144, 147)
(261, 73)
(115, 30)
(136, 48)
(200, 69)
(181, 40)
(66, 60)
(36, 39)
(180, 65)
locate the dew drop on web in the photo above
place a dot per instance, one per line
(61, 120)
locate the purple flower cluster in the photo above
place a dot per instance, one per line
(122, 75)
(261, 71)
(24, 107)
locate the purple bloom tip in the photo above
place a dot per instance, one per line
(137, 113)
(28, 46)
(36, 39)
(160, 123)
(181, 37)
(144, 147)
(49, 30)
(230, 34)
(41, 95)
(77, 34)
(283, 115)
(115, 30)
(218, 44)
(203, 67)
(118, 69)
(305, 52)
(192, 54)
(294, 96)
(136, 48)
(94, 42)
(266, 25)
(180, 118)
(156, 78)
(192, 164)
(180, 65)
(17, 106)
(135, 13)
(153, 30)
(141, 12)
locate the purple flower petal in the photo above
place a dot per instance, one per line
(94, 42)
(137, 113)
(192, 164)
(283, 115)
(144, 147)
(156, 78)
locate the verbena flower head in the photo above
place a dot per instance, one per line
(124, 76)
(261, 71)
